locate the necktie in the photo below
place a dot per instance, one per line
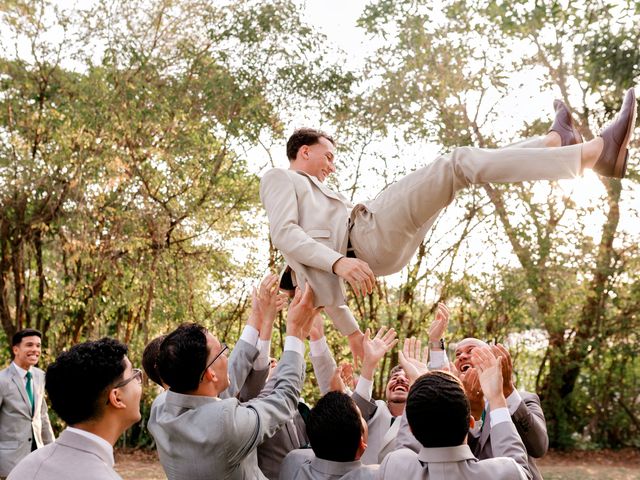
(30, 391)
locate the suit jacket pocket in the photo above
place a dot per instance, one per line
(319, 233)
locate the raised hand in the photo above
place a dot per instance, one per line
(507, 368)
(412, 359)
(471, 383)
(282, 300)
(317, 329)
(440, 323)
(490, 374)
(264, 305)
(355, 344)
(357, 273)
(301, 313)
(375, 348)
(348, 375)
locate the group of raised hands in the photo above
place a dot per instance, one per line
(490, 376)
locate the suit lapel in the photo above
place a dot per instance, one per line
(486, 428)
(23, 391)
(326, 190)
(391, 434)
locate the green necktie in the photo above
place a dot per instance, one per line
(30, 391)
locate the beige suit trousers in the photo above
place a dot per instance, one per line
(387, 231)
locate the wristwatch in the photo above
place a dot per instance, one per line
(437, 345)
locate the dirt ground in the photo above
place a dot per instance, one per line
(601, 465)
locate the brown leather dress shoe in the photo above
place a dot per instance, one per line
(613, 159)
(563, 125)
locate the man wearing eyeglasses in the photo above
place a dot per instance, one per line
(96, 391)
(201, 436)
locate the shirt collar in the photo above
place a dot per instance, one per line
(21, 371)
(445, 454)
(97, 439)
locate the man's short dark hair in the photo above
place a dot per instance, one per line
(150, 359)
(304, 136)
(79, 380)
(438, 410)
(396, 369)
(25, 332)
(335, 427)
(183, 357)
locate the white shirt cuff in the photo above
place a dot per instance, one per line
(318, 347)
(364, 388)
(295, 344)
(250, 335)
(499, 415)
(513, 401)
(264, 350)
(477, 429)
(438, 359)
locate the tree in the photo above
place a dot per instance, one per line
(442, 73)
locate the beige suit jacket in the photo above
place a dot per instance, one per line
(309, 224)
(17, 425)
(70, 457)
(458, 463)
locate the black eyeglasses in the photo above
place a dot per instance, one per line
(137, 375)
(224, 349)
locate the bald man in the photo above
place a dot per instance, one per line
(524, 407)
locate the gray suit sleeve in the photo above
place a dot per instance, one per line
(240, 364)
(405, 438)
(254, 384)
(367, 407)
(323, 366)
(531, 425)
(249, 424)
(506, 442)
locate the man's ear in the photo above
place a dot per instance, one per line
(210, 375)
(361, 448)
(114, 399)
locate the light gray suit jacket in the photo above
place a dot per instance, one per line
(209, 438)
(304, 465)
(17, 425)
(70, 457)
(244, 382)
(530, 424)
(293, 434)
(449, 463)
(382, 434)
(309, 224)
(528, 420)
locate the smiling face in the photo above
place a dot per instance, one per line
(316, 159)
(463, 353)
(397, 387)
(27, 352)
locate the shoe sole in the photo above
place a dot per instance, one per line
(620, 167)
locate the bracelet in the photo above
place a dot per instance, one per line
(437, 345)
